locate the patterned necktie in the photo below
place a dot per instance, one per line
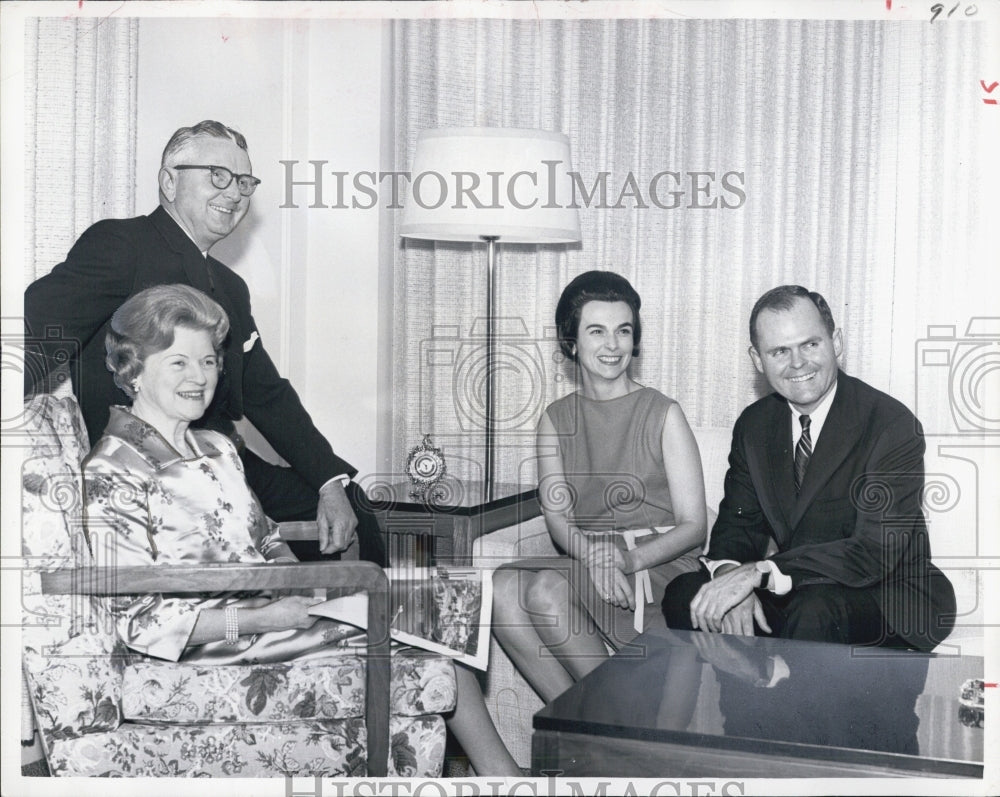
(803, 450)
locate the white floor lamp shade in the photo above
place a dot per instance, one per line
(471, 183)
(491, 184)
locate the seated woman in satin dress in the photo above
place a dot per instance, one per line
(162, 492)
(622, 492)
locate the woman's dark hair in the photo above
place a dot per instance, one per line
(145, 325)
(594, 286)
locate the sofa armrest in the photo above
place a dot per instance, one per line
(336, 577)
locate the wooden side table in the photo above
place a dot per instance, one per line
(442, 528)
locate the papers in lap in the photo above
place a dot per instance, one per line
(446, 610)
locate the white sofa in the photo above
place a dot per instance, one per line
(952, 503)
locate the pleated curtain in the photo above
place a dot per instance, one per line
(80, 139)
(819, 123)
(80, 136)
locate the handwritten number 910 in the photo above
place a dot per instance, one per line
(937, 8)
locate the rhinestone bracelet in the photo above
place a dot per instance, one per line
(232, 625)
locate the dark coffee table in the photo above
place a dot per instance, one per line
(686, 704)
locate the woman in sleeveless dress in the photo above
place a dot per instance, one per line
(622, 492)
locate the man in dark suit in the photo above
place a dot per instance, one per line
(820, 534)
(205, 186)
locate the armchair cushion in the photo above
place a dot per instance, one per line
(326, 749)
(73, 695)
(318, 689)
(186, 694)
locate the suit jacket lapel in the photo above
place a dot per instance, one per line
(780, 470)
(839, 435)
(192, 261)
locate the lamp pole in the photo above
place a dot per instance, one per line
(491, 241)
(487, 152)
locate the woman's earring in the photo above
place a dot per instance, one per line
(135, 385)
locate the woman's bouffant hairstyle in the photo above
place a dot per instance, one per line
(594, 286)
(145, 325)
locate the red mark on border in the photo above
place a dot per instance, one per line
(989, 90)
(989, 686)
(888, 5)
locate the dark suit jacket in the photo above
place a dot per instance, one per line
(857, 521)
(115, 259)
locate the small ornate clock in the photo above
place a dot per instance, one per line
(425, 468)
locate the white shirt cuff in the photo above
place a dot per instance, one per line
(343, 480)
(780, 583)
(714, 564)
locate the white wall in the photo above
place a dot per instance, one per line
(298, 91)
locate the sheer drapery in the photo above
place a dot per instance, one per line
(80, 137)
(818, 124)
(944, 256)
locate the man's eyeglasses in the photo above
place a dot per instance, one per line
(222, 177)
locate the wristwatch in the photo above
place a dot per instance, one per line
(765, 574)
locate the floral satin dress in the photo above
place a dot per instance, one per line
(148, 505)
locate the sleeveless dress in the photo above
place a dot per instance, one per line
(615, 480)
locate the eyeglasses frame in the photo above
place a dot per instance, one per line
(232, 176)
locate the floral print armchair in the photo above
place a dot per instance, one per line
(102, 709)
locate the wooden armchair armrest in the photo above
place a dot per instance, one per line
(339, 578)
(297, 530)
(306, 530)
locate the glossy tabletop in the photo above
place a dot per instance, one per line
(870, 707)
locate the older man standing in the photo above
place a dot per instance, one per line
(205, 183)
(820, 534)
